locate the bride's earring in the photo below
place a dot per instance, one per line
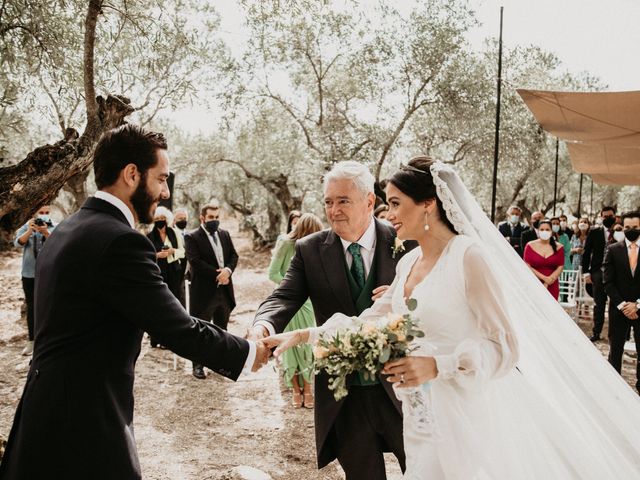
(426, 224)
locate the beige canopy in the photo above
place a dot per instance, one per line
(602, 130)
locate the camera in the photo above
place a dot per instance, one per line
(39, 222)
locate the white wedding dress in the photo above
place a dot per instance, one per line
(520, 393)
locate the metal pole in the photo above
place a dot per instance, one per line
(555, 180)
(580, 196)
(591, 206)
(497, 139)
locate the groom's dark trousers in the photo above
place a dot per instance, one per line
(359, 428)
(98, 288)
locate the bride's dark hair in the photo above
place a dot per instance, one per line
(415, 181)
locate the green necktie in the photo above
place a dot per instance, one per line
(357, 266)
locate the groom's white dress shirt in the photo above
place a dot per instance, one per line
(367, 244)
(120, 205)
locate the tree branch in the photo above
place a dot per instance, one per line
(91, 20)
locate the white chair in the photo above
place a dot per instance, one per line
(583, 299)
(569, 281)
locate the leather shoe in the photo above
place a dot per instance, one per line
(595, 338)
(198, 372)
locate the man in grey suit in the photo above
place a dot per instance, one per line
(344, 270)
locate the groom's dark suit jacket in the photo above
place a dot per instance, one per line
(318, 272)
(98, 288)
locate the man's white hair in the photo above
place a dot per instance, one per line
(181, 210)
(166, 213)
(358, 173)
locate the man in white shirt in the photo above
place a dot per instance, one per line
(621, 278)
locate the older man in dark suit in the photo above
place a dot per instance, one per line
(343, 270)
(512, 229)
(98, 288)
(213, 259)
(621, 278)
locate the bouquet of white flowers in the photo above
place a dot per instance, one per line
(364, 350)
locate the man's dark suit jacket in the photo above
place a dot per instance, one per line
(98, 288)
(594, 250)
(204, 264)
(515, 236)
(528, 235)
(620, 284)
(318, 271)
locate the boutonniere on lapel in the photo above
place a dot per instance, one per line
(397, 248)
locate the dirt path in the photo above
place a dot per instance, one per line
(190, 429)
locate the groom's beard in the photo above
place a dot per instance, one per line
(142, 201)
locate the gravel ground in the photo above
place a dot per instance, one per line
(197, 429)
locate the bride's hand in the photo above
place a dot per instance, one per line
(284, 341)
(411, 371)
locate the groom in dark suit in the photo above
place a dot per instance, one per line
(341, 270)
(98, 288)
(621, 277)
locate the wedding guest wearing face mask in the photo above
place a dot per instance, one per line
(617, 234)
(545, 257)
(169, 246)
(532, 233)
(512, 228)
(212, 258)
(31, 237)
(594, 250)
(622, 284)
(563, 240)
(565, 227)
(577, 242)
(180, 220)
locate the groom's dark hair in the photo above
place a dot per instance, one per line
(416, 181)
(121, 146)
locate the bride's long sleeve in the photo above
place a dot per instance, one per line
(494, 352)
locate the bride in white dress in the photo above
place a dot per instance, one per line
(504, 385)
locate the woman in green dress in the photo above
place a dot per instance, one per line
(297, 363)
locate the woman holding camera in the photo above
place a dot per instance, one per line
(31, 238)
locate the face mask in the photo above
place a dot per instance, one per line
(536, 224)
(181, 224)
(563, 225)
(515, 219)
(583, 226)
(608, 221)
(212, 226)
(45, 218)
(545, 235)
(632, 235)
(555, 228)
(618, 236)
(160, 224)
